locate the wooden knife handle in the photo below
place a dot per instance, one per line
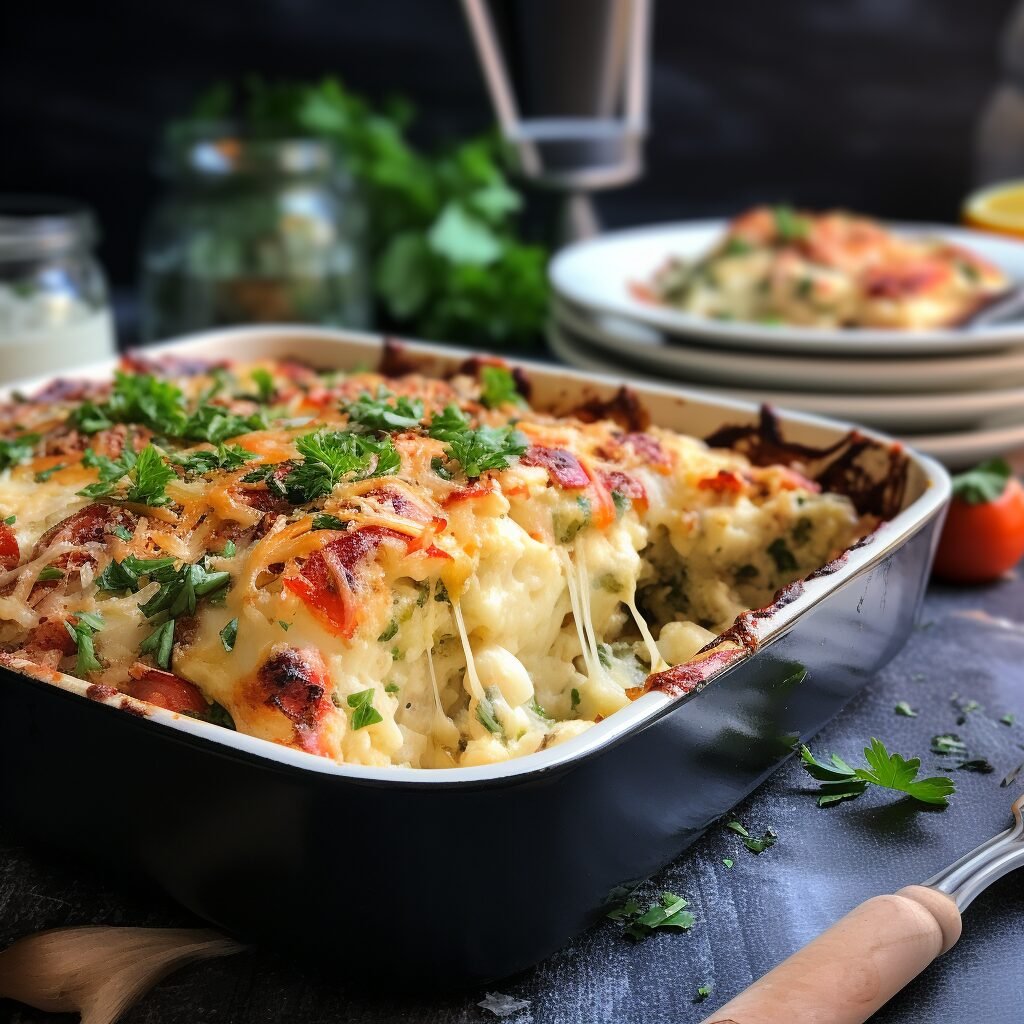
(845, 974)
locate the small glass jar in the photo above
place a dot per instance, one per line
(253, 230)
(54, 311)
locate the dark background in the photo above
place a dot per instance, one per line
(867, 103)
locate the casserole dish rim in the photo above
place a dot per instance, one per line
(630, 719)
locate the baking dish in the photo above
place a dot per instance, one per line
(464, 875)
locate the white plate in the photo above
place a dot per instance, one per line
(646, 347)
(916, 413)
(596, 274)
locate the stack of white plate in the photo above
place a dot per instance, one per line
(957, 394)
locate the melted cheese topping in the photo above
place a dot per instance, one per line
(417, 617)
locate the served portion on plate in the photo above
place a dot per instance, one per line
(780, 266)
(382, 569)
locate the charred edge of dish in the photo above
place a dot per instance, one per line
(396, 360)
(101, 692)
(691, 675)
(132, 708)
(623, 408)
(839, 470)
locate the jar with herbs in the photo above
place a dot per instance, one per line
(252, 230)
(54, 308)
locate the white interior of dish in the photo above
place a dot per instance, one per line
(554, 387)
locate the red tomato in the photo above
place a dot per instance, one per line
(10, 553)
(981, 541)
(169, 691)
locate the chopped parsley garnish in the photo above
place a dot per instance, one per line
(325, 521)
(180, 591)
(622, 503)
(392, 688)
(160, 643)
(120, 531)
(1007, 719)
(147, 474)
(485, 716)
(566, 525)
(781, 555)
(438, 466)
(948, 743)
(539, 711)
(904, 709)
(801, 532)
(50, 572)
(226, 457)
(119, 577)
(10, 520)
(87, 624)
(384, 414)
(498, 387)
(160, 405)
(229, 634)
(389, 632)
(790, 226)
(44, 474)
(478, 449)
(264, 383)
(284, 625)
(745, 572)
(329, 457)
(702, 993)
(219, 715)
(574, 698)
(984, 483)
(364, 713)
(890, 771)
(668, 912)
(752, 843)
(12, 453)
(728, 861)
(229, 549)
(737, 247)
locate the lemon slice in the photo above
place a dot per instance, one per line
(997, 208)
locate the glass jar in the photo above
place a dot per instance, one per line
(54, 311)
(252, 230)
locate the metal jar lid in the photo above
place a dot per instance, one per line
(32, 226)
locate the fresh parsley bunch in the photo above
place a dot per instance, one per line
(448, 258)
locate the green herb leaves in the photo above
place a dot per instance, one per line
(209, 460)
(479, 449)
(790, 226)
(752, 843)
(124, 576)
(498, 387)
(890, 771)
(781, 555)
(668, 912)
(160, 643)
(86, 625)
(332, 456)
(160, 405)
(985, 482)
(147, 475)
(229, 634)
(364, 712)
(21, 449)
(179, 591)
(381, 413)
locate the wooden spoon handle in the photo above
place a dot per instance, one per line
(848, 972)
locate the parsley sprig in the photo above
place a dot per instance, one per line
(385, 412)
(147, 475)
(208, 460)
(160, 405)
(364, 712)
(668, 912)
(329, 457)
(478, 449)
(498, 387)
(17, 450)
(85, 626)
(839, 781)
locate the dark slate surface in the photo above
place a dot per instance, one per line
(971, 643)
